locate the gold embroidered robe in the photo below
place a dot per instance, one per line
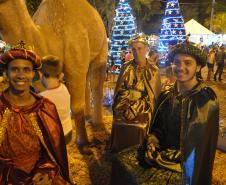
(31, 142)
(136, 90)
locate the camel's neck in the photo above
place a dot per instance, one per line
(16, 23)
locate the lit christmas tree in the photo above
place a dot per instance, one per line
(124, 28)
(172, 31)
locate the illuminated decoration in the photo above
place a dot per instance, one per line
(153, 41)
(124, 28)
(172, 31)
(4, 47)
(2, 44)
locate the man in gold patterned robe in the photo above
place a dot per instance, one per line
(137, 88)
(32, 146)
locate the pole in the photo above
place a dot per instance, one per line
(212, 15)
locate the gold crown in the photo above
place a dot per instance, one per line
(23, 45)
(138, 38)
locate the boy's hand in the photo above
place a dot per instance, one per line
(128, 114)
(150, 150)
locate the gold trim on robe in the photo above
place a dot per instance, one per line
(38, 131)
(33, 118)
(135, 95)
(4, 123)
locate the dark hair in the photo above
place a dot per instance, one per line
(190, 49)
(51, 66)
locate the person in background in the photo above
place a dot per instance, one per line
(211, 59)
(220, 58)
(33, 149)
(184, 130)
(137, 88)
(112, 69)
(153, 57)
(129, 56)
(56, 91)
(188, 38)
(123, 57)
(205, 51)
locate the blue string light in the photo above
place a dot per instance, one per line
(172, 30)
(124, 28)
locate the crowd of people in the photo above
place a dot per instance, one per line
(215, 62)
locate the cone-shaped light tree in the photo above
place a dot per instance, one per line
(172, 30)
(124, 28)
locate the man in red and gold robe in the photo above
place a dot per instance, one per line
(32, 146)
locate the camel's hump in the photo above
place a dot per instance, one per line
(71, 11)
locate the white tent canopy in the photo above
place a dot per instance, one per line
(201, 35)
(194, 28)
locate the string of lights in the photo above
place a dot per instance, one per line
(172, 30)
(124, 28)
(197, 3)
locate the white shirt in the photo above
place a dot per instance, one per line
(61, 98)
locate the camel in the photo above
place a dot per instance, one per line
(73, 31)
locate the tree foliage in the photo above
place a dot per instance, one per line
(219, 23)
(147, 12)
(106, 9)
(219, 19)
(149, 15)
(200, 10)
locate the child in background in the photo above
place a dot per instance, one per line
(153, 57)
(56, 91)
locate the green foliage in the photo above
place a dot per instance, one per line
(200, 10)
(106, 9)
(219, 23)
(148, 14)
